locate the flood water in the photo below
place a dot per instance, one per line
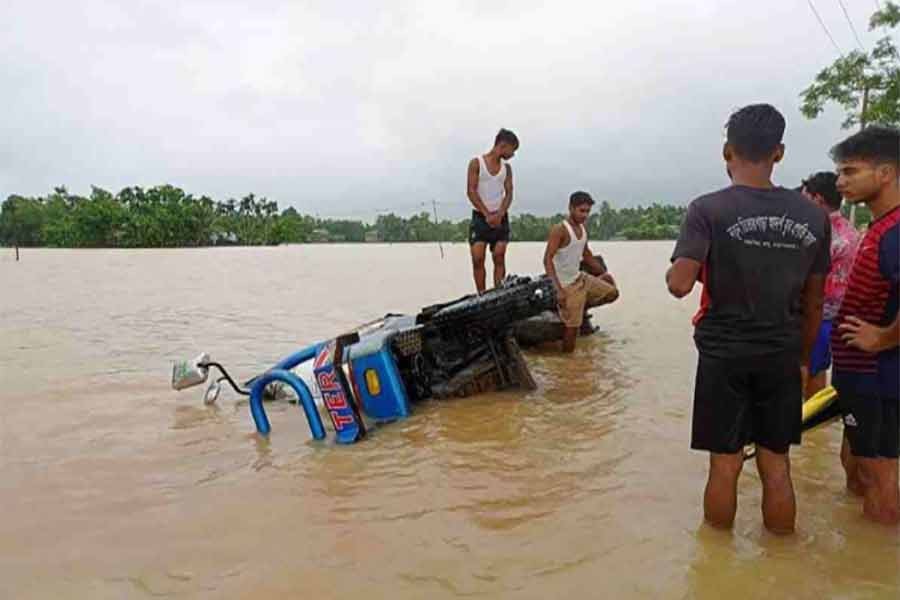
(114, 486)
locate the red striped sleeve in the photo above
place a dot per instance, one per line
(866, 297)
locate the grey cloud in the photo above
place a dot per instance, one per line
(348, 108)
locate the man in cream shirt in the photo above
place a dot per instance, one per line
(567, 247)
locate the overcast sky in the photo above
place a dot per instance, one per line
(351, 108)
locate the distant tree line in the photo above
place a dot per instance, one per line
(166, 217)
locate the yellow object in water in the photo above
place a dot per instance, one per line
(819, 410)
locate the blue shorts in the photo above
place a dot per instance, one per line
(820, 360)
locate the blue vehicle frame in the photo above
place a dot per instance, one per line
(375, 374)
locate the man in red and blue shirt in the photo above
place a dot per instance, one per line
(866, 339)
(821, 188)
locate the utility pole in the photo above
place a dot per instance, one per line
(437, 224)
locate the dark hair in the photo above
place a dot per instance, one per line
(824, 183)
(579, 198)
(755, 131)
(878, 144)
(508, 137)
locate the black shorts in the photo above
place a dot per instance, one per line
(739, 401)
(871, 422)
(482, 233)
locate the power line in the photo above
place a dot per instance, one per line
(852, 28)
(822, 23)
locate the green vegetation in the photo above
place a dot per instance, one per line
(166, 217)
(865, 84)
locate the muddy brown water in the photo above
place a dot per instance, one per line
(114, 486)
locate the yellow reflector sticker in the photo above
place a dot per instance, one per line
(372, 382)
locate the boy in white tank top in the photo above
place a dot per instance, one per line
(489, 188)
(567, 248)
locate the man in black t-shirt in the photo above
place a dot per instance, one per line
(761, 253)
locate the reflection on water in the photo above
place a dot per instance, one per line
(113, 486)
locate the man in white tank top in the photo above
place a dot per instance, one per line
(490, 190)
(567, 248)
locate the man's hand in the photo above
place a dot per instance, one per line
(804, 377)
(608, 278)
(494, 218)
(863, 335)
(561, 296)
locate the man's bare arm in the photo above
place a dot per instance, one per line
(597, 268)
(554, 241)
(682, 276)
(508, 187)
(868, 337)
(472, 188)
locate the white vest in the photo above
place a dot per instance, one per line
(567, 260)
(491, 188)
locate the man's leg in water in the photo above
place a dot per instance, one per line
(721, 425)
(777, 390)
(855, 483)
(882, 493)
(779, 506)
(598, 292)
(498, 253)
(872, 435)
(570, 334)
(720, 497)
(571, 312)
(478, 250)
(891, 489)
